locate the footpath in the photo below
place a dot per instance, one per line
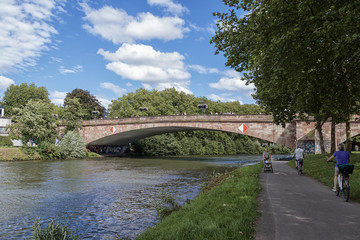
(299, 207)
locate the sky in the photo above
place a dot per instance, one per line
(114, 47)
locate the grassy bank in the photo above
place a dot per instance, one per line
(227, 211)
(317, 167)
(12, 153)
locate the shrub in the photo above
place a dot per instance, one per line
(48, 151)
(52, 231)
(72, 145)
(5, 141)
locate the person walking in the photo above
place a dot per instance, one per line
(342, 157)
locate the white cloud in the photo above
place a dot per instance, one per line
(5, 82)
(116, 89)
(119, 27)
(223, 98)
(153, 68)
(232, 81)
(170, 6)
(105, 102)
(25, 32)
(57, 97)
(74, 69)
(203, 70)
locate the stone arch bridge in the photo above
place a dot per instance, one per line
(121, 131)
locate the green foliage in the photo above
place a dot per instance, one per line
(48, 151)
(53, 231)
(72, 145)
(172, 102)
(73, 114)
(35, 122)
(302, 56)
(202, 143)
(227, 211)
(92, 154)
(17, 96)
(165, 204)
(88, 102)
(5, 141)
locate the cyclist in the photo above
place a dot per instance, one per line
(299, 156)
(342, 157)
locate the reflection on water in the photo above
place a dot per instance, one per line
(100, 199)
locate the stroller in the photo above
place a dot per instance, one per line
(268, 165)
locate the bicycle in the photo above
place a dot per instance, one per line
(343, 188)
(300, 166)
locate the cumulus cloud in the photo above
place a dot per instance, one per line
(5, 82)
(169, 6)
(117, 26)
(232, 81)
(155, 69)
(116, 89)
(105, 102)
(203, 70)
(74, 69)
(57, 97)
(223, 98)
(25, 32)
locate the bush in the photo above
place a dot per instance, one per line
(72, 145)
(5, 141)
(48, 151)
(52, 231)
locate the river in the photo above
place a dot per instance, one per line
(99, 198)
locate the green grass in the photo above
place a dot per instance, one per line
(13, 153)
(317, 167)
(227, 211)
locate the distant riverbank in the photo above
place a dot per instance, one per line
(16, 154)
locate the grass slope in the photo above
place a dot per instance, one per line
(227, 211)
(10, 154)
(317, 167)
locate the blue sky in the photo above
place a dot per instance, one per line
(114, 47)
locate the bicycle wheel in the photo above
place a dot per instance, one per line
(346, 190)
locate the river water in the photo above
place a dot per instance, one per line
(99, 198)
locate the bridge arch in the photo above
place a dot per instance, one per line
(112, 132)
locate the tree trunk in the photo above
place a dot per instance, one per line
(333, 137)
(321, 137)
(348, 136)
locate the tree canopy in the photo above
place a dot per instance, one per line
(35, 122)
(302, 56)
(87, 101)
(17, 96)
(172, 102)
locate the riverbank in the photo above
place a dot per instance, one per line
(16, 154)
(317, 167)
(227, 211)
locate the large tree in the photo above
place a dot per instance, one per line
(35, 122)
(17, 96)
(301, 55)
(88, 102)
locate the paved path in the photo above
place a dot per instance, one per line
(299, 207)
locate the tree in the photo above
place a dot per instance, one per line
(18, 96)
(35, 122)
(73, 114)
(297, 55)
(88, 102)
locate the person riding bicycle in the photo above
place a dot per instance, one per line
(342, 157)
(299, 157)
